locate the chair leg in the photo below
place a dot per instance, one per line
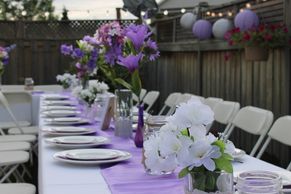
(7, 174)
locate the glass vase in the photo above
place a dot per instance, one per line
(209, 182)
(90, 112)
(123, 114)
(255, 182)
(138, 139)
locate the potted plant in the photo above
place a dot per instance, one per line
(257, 41)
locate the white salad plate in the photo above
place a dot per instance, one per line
(91, 156)
(60, 113)
(60, 102)
(77, 141)
(238, 154)
(55, 97)
(66, 121)
(68, 130)
(50, 108)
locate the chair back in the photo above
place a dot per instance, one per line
(255, 121)
(150, 98)
(212, 102)
(170, 102)
(141, 95)
(225, 111)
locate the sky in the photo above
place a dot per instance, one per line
(91, 9)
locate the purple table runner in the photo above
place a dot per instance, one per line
(130, 178)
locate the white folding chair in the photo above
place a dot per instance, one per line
(150, 98)
(17, 188)
(10, 164)
(141, 95)
(170, 103)
(253, 120)
(201, 98)
(14, 146)
(19, 101)
(212, 102)
(224, 113)
(48, 88)
(280, 131)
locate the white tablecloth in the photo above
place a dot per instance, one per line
(59, 178)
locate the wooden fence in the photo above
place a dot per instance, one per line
(199, 67)
(37, 54)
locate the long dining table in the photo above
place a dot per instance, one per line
(55, 177)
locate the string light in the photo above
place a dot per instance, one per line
(248, 5)
(241, 10)
(208, 13)
(148, 21)
(23, 13)
(229, 13)
(213, 14)
(166, 12)
(46, 14)
(220, 14)
(142, 13)
(183, 10)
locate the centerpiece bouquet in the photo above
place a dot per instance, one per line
(85, 56)
(256, 41)
(67, 80)
(184, 142)
(125, 50)
(4, 57)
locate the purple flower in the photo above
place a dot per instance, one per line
(10, 48)
(77, 53)
(91, 40)
(151, 50)
(131, 62)
(137, 34)
(112, 55)
(66, 49)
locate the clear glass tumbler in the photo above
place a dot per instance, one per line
(255, 182)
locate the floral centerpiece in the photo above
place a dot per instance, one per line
(258, 39)
(183, 142)
(85, 56)
(129, 47)
(4, 57)
(67, 80)
(89, 94)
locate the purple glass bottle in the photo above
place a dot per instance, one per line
(138, 139)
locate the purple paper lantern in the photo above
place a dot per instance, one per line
(246, 20)
(202, 29)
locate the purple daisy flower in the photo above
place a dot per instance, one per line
(131, 62)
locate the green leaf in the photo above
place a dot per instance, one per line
(227, 156)
(136, 83)
(183, 172)
(223, 163)
(220, 144)
(210, 181)
(123, 83)
(185, 132)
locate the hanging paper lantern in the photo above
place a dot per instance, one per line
(220, 27)
(202, 29)
(187, 20)
(246, 20)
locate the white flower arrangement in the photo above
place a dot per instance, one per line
(184, 142)
(67, 80)
(89, 95)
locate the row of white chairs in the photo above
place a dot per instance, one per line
(253, 120)
(148, 99)
(16, 146)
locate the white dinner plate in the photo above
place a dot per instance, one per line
(92, 156)
(77, 141)
(68, 130)
(61, 113)
(50, 108)
(55, 97)
(66, 121)
(60, 102)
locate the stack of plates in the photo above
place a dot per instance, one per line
(77, 141)
(66, 121)
(92, 156)
(68, 130)
(60, 113)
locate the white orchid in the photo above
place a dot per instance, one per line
(67, 80)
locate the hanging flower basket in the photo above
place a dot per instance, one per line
(254, 53)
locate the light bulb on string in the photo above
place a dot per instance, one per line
(208, 13)
(46, 14)
(23, 13)
(220, 14)
(142, 13)
(213, 14)
(248, 5)
(166, 12)
(183, 10)
(229, 13)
